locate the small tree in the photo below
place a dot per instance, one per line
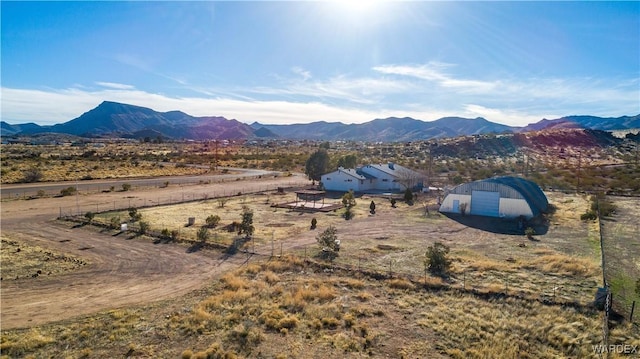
(372, 207)
(134, 214)
(436, 260)
(165, 234)
(144, 227)
(115, 222)
(348, 201)
(329, 244)
(32, 175)
(203, 234)
(212, 221)
(89, 216)
(246, 226)
(408, 196)
(314, 223)
(393, 202)
(317, 164)
(68, 191)
(529, 232)
(222, 202)
(126, 187)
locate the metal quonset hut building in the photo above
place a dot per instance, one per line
(505, 197)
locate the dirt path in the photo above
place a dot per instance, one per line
(121, 271)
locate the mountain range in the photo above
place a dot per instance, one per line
(114, 119)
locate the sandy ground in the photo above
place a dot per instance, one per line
(119, 271)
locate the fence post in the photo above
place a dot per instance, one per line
(464, 280)
(633, 306)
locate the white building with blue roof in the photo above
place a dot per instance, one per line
(388, 177)
(504, 197)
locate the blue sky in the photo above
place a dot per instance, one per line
(296, 62)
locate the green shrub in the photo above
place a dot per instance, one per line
(115, 222)
(32, 175)
(529, 232)
(89, 216)
(589, 215)
(69, 191)
(203, 234)
(144, 227)
(437, 261)
(212, 221)
(134, 214)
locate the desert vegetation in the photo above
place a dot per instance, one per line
(289, 308)
(395, 280)
(565, 160)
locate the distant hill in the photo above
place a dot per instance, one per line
(124, 120)
(387, 129)
(591, 122)
(117, 119)
(538, 141)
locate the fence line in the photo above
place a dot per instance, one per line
(607, 302)
(88, 187)
(181, 197)
(469, 283)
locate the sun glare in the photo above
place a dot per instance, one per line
(357, 8)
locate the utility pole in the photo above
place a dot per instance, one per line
(215, 156)
(77, 205)
(579, 168)
(430, 166)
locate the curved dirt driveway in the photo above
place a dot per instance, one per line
(121, 272)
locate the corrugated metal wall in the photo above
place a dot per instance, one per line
(447, 204)
(513, 208)
(505, 191)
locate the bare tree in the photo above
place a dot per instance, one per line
(408, 178)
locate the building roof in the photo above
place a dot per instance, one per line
(531, 192)
(364, 174)
(392, 169)
(349, 171)
(517, 188)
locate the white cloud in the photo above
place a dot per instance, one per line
(302, 73)
(424, 92)
(434, 72)
(116, 86)
(506, 117)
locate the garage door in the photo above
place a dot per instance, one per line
(485, 203)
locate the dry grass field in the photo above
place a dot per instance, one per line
(507, 296)
(20, 260)
(70, 162)
(622, 254)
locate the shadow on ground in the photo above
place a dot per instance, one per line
(500, 225)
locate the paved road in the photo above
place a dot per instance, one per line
(52, 188)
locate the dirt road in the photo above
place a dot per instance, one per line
(121, 271)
